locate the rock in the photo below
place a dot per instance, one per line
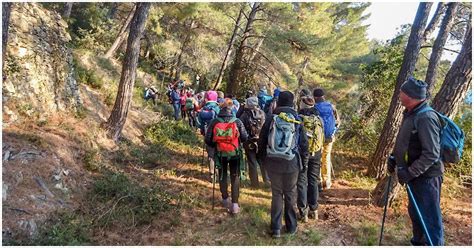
(4, 191)
(66, 172)
(29, 226)
(6, 155)
(57, 177)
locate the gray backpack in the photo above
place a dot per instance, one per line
(282, 138)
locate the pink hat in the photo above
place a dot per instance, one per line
(211, 95)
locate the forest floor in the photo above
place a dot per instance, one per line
(153, 189)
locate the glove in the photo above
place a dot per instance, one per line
(391, 164)
(404, 175)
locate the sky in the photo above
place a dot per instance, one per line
(387, 17)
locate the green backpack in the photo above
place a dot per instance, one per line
(189, 104)
(315, 131)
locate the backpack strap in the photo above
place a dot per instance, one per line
(423, 110)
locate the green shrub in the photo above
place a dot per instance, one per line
(64, 229)
(367, 233)
(167, 131)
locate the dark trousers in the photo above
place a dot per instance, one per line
(176, 108)
(192, 119)
(308, 191)
(253, 167)
(183, 111)
(233, 165)
(427, 193)
(283, 192)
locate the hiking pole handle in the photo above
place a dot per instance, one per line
(385, 208)
(410, 194)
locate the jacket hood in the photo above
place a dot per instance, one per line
(285, 109)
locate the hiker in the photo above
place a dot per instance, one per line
(150, 93)
(303, 93)
(225, 133)
(236, 106)
(182, 101)
(283, 148)
(270, 105)
(175, 101)
(220, 97)
(242, 106)
(308, 180)
(417, 161)
(263, 98)
(208, 112)
(191, 107)
(253, 118)
(328, 113)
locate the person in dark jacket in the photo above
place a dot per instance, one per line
(309, 178)
(232, 164)
(253, 112)
(417, 161)
(175, 101)
(284, 173)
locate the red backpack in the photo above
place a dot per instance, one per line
(226, 136)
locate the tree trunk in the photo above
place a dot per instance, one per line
(236, 70)
(186, 41)
(148, 46)
(301, 81)
(229, 49)
(438, 45)
(380, 190)
(67, 10)
(434, 21)
(122, 34)
(394, 115)
(256, 49)
(123, 101)
(458, 80)
(6, 9)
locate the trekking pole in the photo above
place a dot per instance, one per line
(410, 194)
(385, 208)
(213, 187)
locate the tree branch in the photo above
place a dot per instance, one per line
(447, 49)
(265, 57)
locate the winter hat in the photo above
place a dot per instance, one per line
(414, 88)
(285, 99)
(276, 92)
(318, 92)
(305, 92)
(211, 96)
(251, 102)
(306, 102)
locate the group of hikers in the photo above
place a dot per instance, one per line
(291, 142)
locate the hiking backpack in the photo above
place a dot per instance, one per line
(207, 113)
(226, 137)
(189, 103)
(451, 137)
(264, 100)
(315, 131)
(326, 112)
(283, 136)
(256, 119)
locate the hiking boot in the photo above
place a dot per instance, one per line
(292, 232)
(276, 234)
(226, 203)
(313, 214)
(235, 209)
(303, 215)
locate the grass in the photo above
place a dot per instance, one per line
(367, 233)
(357, 179)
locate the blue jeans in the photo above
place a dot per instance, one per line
(427, 193)
(308, 192)
(177, 110)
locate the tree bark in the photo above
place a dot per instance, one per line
(236, 70)
(386, 141)
(438, 45)
(458, 80)
(301, 81)
(67, 10)
(121, 36)
(229, 49)
(185, 43)
(6, 9)
(123, 100)
(434, 20)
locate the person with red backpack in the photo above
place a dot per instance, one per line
(328, 113)
(253, 118)
(225, 133)
(283, 148)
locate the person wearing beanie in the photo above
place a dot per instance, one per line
(283, 173)
(253, 118)
(225, 163)
(329, 114)
(206, 114)
(416, 158)
(309, 178)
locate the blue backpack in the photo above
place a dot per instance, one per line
(264, 100)
(207, 113)
(451, 137)
(326, 112)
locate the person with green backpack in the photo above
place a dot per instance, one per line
(283, 148)
(225, 134)
(309, 177)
